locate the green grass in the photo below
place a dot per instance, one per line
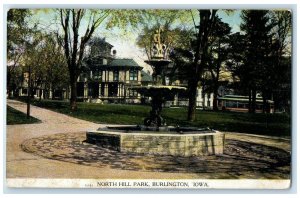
(263, 124)
(16, 117)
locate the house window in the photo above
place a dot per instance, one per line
(116, 75)
(133, 75)
(133, 93)
(97, 75)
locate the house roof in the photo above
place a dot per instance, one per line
(146, 77)
(99, 41)
(123, 62)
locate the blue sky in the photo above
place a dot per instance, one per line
(233, 19)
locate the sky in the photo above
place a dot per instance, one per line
(124, 44)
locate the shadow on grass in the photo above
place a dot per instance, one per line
(17, 117)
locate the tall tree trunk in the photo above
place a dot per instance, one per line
(207, 21)
(193, 85)
(215, 102)
(73, 99)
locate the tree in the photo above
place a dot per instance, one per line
(54, 70)
(260, 57)
(182, 59)
(235, 62)
(257, 27)
(32, 59)
(71, 20)
(50, 71)
(17, 32)
(280, 89)
(200, 47)
(217, 56)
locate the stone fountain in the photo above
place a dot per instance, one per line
(155, 136)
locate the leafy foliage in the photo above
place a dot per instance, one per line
(174, 34)
(258, 56)
(17, 36)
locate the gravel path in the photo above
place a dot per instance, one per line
(54, 149)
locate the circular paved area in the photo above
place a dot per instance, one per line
(241, 159)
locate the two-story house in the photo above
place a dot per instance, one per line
(106, 78)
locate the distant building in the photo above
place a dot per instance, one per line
(204, 100)
(240, 104)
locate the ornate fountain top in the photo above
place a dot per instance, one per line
(158, 49)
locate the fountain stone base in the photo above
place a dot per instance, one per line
(186, 144)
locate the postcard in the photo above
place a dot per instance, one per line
(149, 98)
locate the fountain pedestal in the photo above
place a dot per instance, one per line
(159, 143)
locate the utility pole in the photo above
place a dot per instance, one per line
(29, 92)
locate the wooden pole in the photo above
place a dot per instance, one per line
(29, 92)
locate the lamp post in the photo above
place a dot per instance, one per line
(28, 92)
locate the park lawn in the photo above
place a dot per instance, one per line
(262, 124)
(17, 117)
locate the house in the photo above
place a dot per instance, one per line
(106, 78)
(204, 100)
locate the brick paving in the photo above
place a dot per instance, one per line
(55, 149)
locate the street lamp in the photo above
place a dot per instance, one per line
(28, 91)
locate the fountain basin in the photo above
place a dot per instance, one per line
(165, 91)
(186, 143)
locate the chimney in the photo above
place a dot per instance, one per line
(114, 53)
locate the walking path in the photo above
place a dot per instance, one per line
(20, 164)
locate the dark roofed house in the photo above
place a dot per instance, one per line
(108, 79)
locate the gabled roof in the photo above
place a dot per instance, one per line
(123, 62)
